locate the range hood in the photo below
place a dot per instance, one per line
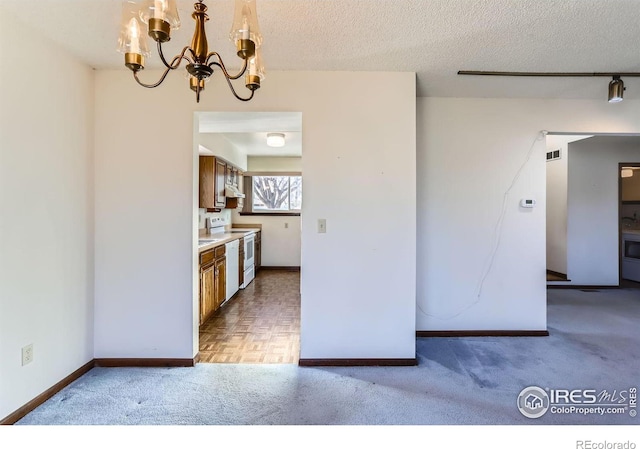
(232, 192)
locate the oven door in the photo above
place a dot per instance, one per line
(248, 251)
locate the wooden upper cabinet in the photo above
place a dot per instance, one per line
(207, 182)
(215, 175)
(220, 198)
(212, 183)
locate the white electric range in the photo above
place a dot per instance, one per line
(249, 251)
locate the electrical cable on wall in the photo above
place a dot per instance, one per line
(497, 236)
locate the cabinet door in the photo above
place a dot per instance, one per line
(207, 292)
(207, 182)
(221, 172)
(258, 255)
(220, 282)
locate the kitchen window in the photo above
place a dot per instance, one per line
(273, 193)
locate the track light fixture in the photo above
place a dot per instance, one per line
(616, 86)
(616, 90)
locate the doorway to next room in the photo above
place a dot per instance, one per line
(249, 207)
(593, 211)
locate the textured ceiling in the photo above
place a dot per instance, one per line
(434, 38)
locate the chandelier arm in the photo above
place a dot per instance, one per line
(175, 62)
(151, 86)
(233, 91)
(224, 69)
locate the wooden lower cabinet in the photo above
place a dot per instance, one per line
(213, 270)
(207, 292)
(220, 283)
(257, 254)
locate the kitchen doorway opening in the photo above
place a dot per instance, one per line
(248, 206)
(629, 207)
(587, 216)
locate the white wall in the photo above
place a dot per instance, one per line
(280, 239)
(263, 163)
(146, 270)
(593, 216)
(469, 152)
(557, 203)
(218, 145)
(281, 236)
(46, 213)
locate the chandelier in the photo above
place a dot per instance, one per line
(159, 17)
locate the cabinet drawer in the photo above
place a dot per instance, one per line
(220, 251)
(209, 256)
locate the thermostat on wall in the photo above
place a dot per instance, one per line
(527, 202)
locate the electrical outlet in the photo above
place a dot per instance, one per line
(322, 226)
(286, 225)
(27, 354)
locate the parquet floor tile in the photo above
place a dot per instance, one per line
(261, 324)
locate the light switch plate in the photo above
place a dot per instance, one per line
(322, 226)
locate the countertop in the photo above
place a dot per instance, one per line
(245, 230)
(222, 238)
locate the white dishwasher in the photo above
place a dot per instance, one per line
(233, 267)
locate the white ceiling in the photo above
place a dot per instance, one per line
(255, 144)
(249, 122)
(248, 130)
(434, 38)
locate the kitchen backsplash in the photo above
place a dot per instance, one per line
(203, 214)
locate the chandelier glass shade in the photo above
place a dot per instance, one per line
(158, 18)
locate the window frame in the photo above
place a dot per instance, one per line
(248, 191)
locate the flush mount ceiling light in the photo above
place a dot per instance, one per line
(616, 86)
(156, 18)
(627, 172)
(275, 140)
